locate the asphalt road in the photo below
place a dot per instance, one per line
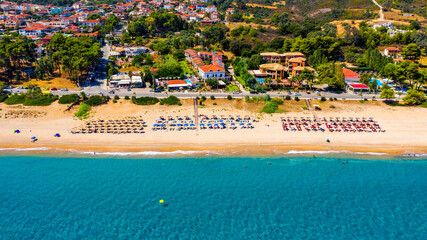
(138, 92)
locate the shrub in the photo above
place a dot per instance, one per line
(171, 100)
(83, 111)
(15, 99)
(278, 101)
(203, 98)
(332, 106)
(331, 99)
(305, 108)
(297, 99)
(197, 98)
(365, 99)
(270, 107)
(114, 101)
(116, 97)
(335, 99)
(96, 100)
(361, 101)
(323, 99)
(288, 97)
(212, 97)
(267, 97)
(214, 103)
(83, 94)
(247, 98)
(145, 100)
(67, 99)
(3, 98)
(229, 97)
(127, 98)
(41, 101)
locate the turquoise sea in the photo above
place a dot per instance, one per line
(212, 197)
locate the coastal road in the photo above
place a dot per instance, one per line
(146, 93)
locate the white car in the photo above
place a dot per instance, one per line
(297, 94)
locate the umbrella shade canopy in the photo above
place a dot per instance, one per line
(232, 124)
(242, 124)
(57, 135)
(249, 123)
(17, 131)
(33, 138)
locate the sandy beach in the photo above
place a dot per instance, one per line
(406, 129)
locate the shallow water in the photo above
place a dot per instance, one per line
(212, 197)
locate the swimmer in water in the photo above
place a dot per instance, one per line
(314, 156)
(309, 160)
(244, 166)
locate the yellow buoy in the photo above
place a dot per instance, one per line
(161, 201)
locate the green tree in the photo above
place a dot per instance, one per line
(411, 52)
(212, 82)
(387, 93)
(308, 76)
(414, 97)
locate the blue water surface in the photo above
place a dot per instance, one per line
(212, 198)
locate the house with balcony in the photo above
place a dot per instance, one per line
(213, 71)
(275, 71)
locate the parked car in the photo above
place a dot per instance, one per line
(308, 92)
(64, 89)
(111, 92)
(289, 93)
(297, 94)
(253, 92)
(20, 87)
(53, 89)
(8, 87)
(235, 92)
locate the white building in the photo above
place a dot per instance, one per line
(212, 71)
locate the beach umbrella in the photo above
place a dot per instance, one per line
(57, 135)
(222, 124)
(202, 125)
(241, 124)
(232, 124)
(192, 125)
(33, 138)
(186, 125)
(249, 123)
(17, 131)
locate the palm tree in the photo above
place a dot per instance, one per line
(130, 77)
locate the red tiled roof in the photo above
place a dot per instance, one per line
(349, 73)
(212, 68)
(176, 82)
(393, 49)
